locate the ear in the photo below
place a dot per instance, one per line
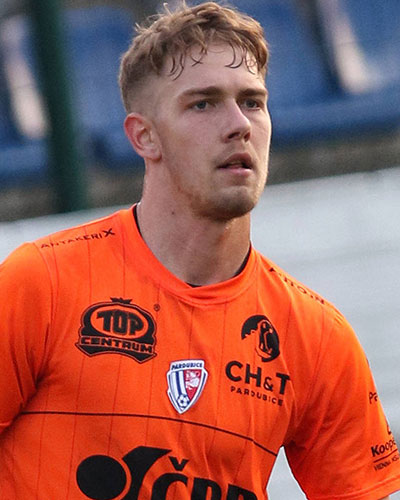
(142, 136)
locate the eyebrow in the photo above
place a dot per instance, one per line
(213, 91)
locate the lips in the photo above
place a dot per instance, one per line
(238, 161)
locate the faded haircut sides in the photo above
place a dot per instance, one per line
(169, 36)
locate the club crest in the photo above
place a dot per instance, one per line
(186, 380)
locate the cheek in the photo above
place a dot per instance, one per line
(265, 123)
(180, 136)
(189, 148)
(262, 135)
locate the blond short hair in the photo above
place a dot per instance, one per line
(171, 35)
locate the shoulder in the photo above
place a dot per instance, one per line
(313, 322)
(25, 262)
(105, 228)
(25, 288)
(294, 290)
(34, 261)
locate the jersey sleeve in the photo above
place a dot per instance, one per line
(24, 312)
(343, 447)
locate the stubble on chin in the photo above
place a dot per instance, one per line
(224, 208)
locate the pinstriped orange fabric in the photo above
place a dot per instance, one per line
(119, 381)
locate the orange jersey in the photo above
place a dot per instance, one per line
(119, 381)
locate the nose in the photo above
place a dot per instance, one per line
(237, 125)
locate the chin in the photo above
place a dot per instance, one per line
(225, 210)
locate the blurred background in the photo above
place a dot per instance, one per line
(334, 82)
(331, 213)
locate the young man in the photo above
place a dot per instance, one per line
(154, 354)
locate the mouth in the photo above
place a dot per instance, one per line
(238, 161)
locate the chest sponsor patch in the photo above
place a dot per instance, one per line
(117, 327)
(260, 327)
(186, 380)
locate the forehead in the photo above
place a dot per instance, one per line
(221, 66)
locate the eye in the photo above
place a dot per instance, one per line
(251, 104)
(200, 105)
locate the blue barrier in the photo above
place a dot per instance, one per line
(95, 40)
(362, 40)
(306, 103)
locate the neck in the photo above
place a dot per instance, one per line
(197, 250)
